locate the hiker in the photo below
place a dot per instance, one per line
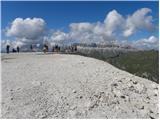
(75, 48)
(56, 48)
(13, 50)
(53, 49)
(31, 47)
(18, 49)
(59, 49)
(71, 48)
(45, 48)
(7, 48)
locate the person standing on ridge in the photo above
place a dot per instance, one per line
(18, 49)
(31, 47)
(45, 48)
(7, 48)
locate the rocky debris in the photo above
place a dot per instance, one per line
(74, 91)
(68, 89)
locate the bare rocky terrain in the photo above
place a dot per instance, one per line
(37, 85)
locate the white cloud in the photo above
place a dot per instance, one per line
(26, 28)
(147, 43)
(81, 33)
(26, 31)
(114, 25)
(59, 36)
(113, 22)
(139, 20)
(81, 27)
(114, 28)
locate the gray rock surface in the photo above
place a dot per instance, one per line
(35, 85)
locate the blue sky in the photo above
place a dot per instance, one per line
(59, 15)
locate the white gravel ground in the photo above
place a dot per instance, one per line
(35, 85)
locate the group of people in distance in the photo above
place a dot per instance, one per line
(13, 50)
(55, 48)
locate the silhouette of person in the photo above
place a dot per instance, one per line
(56, 48)
(59, 49)
(71, 48)
(31, 47)
(75, 48)
(45, 48)
(53, 49)
(18, 49)
(13, 50)
(7, 48)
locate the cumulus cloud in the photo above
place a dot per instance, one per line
(113, 22)
(26, 28)
(81, 27)
(80, 33)
(114, 26)
(147, 43)
(113, 29)
(26, 31)
(139, 20)
(59, 36)
(85, 32)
